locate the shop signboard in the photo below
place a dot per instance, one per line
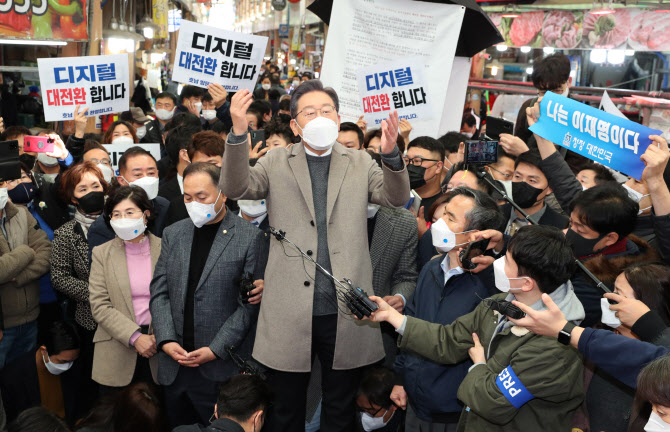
(208, 55)
(44, 19)
(160, 17)
(97, 82)
(397, 85)
(626, 28)
(600, 136)
(283, 30)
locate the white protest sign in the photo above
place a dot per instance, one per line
(375, 31)
(208, 55)
(607, 105)
(97, 82)
(116, 150)
(396, 85)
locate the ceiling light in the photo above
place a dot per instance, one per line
(616, 57)
(525, 49)
(548, 50)
(602, 9)
(529, 70)
(598, 56)
(501, 47)
(630, 53)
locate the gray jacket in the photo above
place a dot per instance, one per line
(221, 319)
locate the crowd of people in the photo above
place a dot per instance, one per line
(208, 290)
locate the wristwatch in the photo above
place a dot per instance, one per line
(564, 335)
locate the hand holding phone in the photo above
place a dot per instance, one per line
(474, 249)
(38, 144)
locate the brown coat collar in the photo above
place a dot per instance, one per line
(607, 269)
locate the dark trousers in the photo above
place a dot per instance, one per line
(190, 398)
(79, 379)
(287, 413)
(142, 374)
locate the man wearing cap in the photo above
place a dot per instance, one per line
(142, 125)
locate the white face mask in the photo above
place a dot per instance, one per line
(296, 83)
(372, 210)
(501, 279)
(107, 172)
(201, 213)
(467, 134)
(608, 317)
(266, 87)
(128, 229)
(253, 208)
(444, 239)
(209, 114)
(50, 177)
(4, 196)
(123, 140)
(584, 187)
(637, 197)
(54, 368)
(141, 132)
(321, 133)
(566, 92)
(372, 423)
(198, 106)
(46, 160)
(149, 184)
(164, 114)
(656, 424)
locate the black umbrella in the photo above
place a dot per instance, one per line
(477, 31)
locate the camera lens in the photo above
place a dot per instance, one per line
(40, 145)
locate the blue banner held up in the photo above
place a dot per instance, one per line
(602, 137)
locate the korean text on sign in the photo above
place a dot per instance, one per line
(208, 55)
(98, 82)
(393, 86)
(605, 138)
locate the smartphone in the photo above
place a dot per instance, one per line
(496, 126)
(256, 137)
(474, 249)
(9, 161)
(416, 202)
(481, 152)
(38, 144)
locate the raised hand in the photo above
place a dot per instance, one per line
(389, 133)
(219, 94)
(655, 159)
(80, 121)
(60, 152)
(239, 105)
(544, 323)
(361, 123)
(628, 310)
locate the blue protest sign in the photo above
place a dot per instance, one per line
(602, 137)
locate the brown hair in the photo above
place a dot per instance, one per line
(137, 408)
(71, 178)
(653, 388)
(208, 142)
(94, 145)
(107, 138)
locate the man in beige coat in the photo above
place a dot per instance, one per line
(317, 192)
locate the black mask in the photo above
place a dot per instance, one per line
(23, 193)
(28, 160)
(524, 194)
(416, 176)
(582, 247)
(285, 118)
(92, 202)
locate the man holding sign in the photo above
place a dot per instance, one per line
(602, 217)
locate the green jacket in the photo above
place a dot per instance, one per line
(515, 358)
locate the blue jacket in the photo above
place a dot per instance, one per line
(619, 356)
(431, 387)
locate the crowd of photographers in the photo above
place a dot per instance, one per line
(529, 290)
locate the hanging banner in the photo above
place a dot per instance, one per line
(397, 85)
(208, 55)
(160, 17)
(44, 19)
(377, 31)
(626, 28)
(97, 82)
(600, 136)
(117, 150)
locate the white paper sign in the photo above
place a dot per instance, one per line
(117, 150)
(607, 105)
(97, 82)
(208, 55)
(376, 31)
(396, 85)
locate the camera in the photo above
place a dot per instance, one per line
(480, 152)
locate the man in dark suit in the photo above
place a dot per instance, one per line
(196, 308)
(137, 167)
(176, 144)
(393, 238)
(530, 187)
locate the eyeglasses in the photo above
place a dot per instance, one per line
(102, 161)
(507, 176)
(418, 160)
(129, 214)
(310, 113)
(25, 178)
(369, 410)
